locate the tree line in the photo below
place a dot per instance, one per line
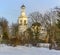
(50, 20)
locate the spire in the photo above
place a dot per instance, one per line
(23, 6)
(23, 11)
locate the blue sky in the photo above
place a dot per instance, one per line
(10, 9)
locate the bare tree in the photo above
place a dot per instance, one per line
(14, 29)
(14, 39)
(4, 28)
(50, 21)
(35, 17)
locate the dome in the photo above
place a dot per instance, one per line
(22, 6)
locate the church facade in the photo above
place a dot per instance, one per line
(23, 23)
(22, 20)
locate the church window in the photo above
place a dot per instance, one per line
(20, 22)
(24, 22)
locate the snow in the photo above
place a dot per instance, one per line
(23, 50)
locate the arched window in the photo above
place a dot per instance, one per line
(25, 22)
(20, 22)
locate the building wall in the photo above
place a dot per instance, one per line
(22, 20)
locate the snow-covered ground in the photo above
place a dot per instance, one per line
(22, 50)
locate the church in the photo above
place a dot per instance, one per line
(22, 20)
(23, 23)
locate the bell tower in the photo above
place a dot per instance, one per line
(22, 20)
